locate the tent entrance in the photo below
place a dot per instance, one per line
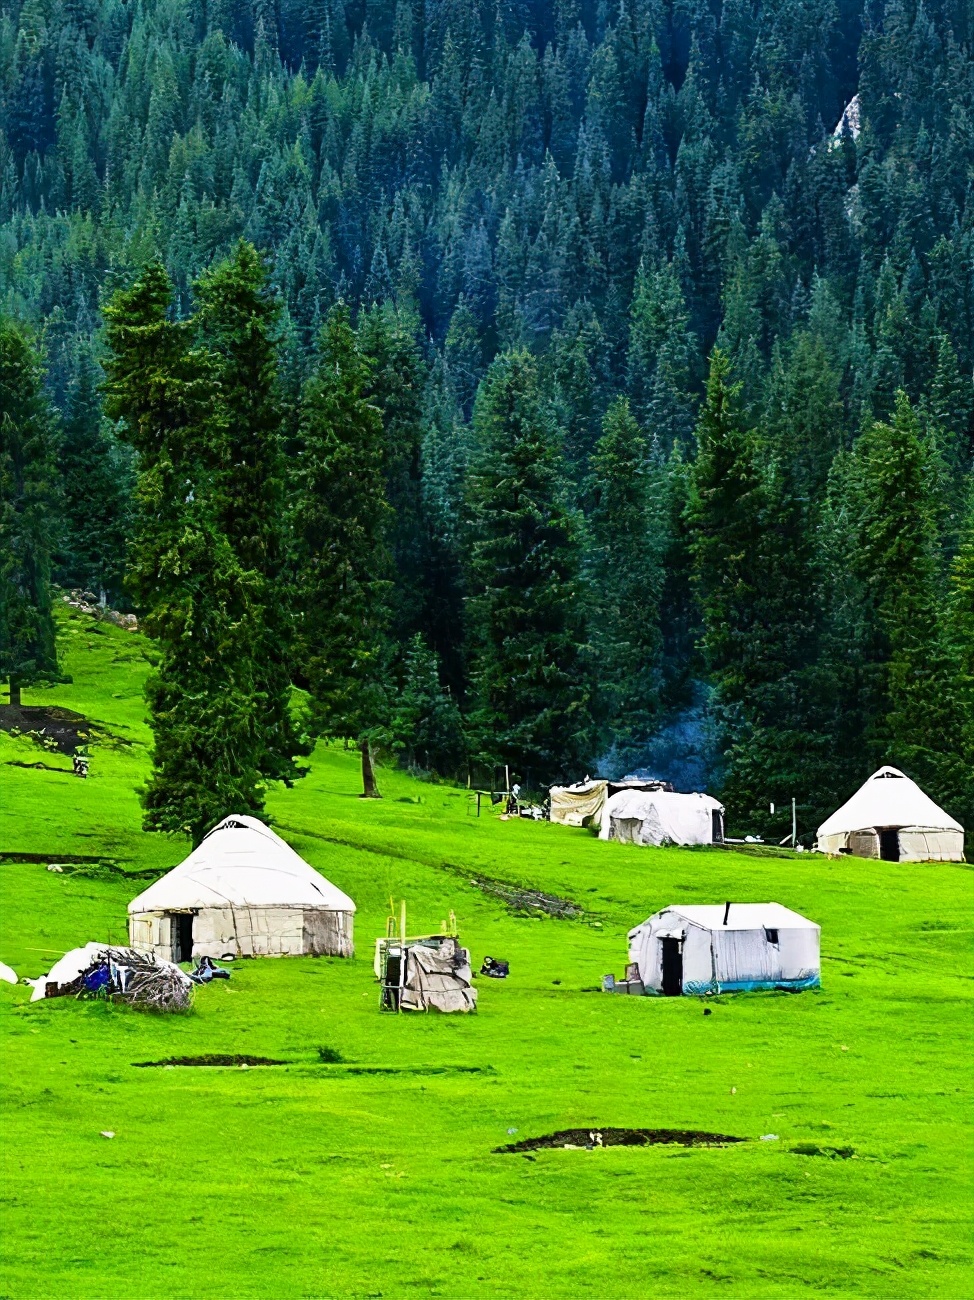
(717, 826)
(672, 968)
(181, 929)
(889, 845)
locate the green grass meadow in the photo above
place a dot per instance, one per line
(377, 1176)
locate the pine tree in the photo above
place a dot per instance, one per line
(531, 668)
(97, 481)
(236, 321)
(341, 520)
(897, 555)
(426, 727)
(625, 536)
(199, 605)
(28, 505)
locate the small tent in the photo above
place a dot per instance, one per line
(654, 817)
(725, 948)
(581, 804)
(242, 892)
(890, 817)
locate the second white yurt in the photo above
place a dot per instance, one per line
(726, 948)
(654, 817)
(243, 892)
(890, 817)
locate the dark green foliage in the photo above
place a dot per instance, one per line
(200, 605)
(28, 518)
(626, 538)
(97, 477)
(426, 728)
(341, 523)
(530, 666)
(236, 321)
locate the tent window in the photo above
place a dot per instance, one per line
(771, 936)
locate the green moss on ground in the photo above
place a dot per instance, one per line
(315, 1180)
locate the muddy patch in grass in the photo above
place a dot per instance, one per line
(417, 1069)
(520, 899)
(830, 1153)
(574, 1139)
(209, 1060)
(54, 728)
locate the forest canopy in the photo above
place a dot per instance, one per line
(623, 353)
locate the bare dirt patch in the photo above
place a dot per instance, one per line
(830, 1153)
(52, 726)
(575, 1139)
(209, 1060)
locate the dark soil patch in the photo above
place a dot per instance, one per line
(42, 767)
(519, 899)
(830, 1153)
(209, 1060)
(417, 1069)
(63, 729)
(589, 1138)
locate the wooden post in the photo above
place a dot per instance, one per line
(369, 788)
(15, 692)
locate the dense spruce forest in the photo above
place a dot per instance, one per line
(553, 383)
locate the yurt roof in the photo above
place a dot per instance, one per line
(741, 916)
(635, 805)
(888, 799)
(242, 863)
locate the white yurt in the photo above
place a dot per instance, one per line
(243, 892)
(890, 817)
(654, 817)
(726, 948)
(583, 803)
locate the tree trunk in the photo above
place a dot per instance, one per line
(369, 788)
(15, 692)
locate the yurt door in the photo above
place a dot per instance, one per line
(672, 967)
(889, 845)
(181, 929)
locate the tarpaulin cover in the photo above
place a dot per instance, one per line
(438, 978)
(574, 805)
(763, 945)
(654, 817)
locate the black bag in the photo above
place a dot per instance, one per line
(497, 970)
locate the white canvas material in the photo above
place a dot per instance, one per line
(762, 946)
(576, 805)
(251, 895)
(654, 817)
(889, 800)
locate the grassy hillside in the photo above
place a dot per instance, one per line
(376, 1176)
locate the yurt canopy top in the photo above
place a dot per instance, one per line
(888, 799)
(242, 863)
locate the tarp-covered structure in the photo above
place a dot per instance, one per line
(654, 817)
(243, 892)
(581, 804)
(431, 974)
(890, 817)
(725, 948)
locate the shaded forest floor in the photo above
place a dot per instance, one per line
(377, 1174)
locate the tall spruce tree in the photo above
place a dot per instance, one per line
(198, 602)
(923, 725)
(97, 479)
(625, 536)
(28, 506)
(531, 666)
(236, 322)
(341, 519)
(426, 728)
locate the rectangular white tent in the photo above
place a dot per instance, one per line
(726, 948)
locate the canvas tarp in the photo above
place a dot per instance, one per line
(579, 804)
(889, 800)
(438, 978)
(654, 817)
(764, 945)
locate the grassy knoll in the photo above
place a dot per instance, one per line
(375, 1177)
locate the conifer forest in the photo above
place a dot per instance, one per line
(556, 384)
